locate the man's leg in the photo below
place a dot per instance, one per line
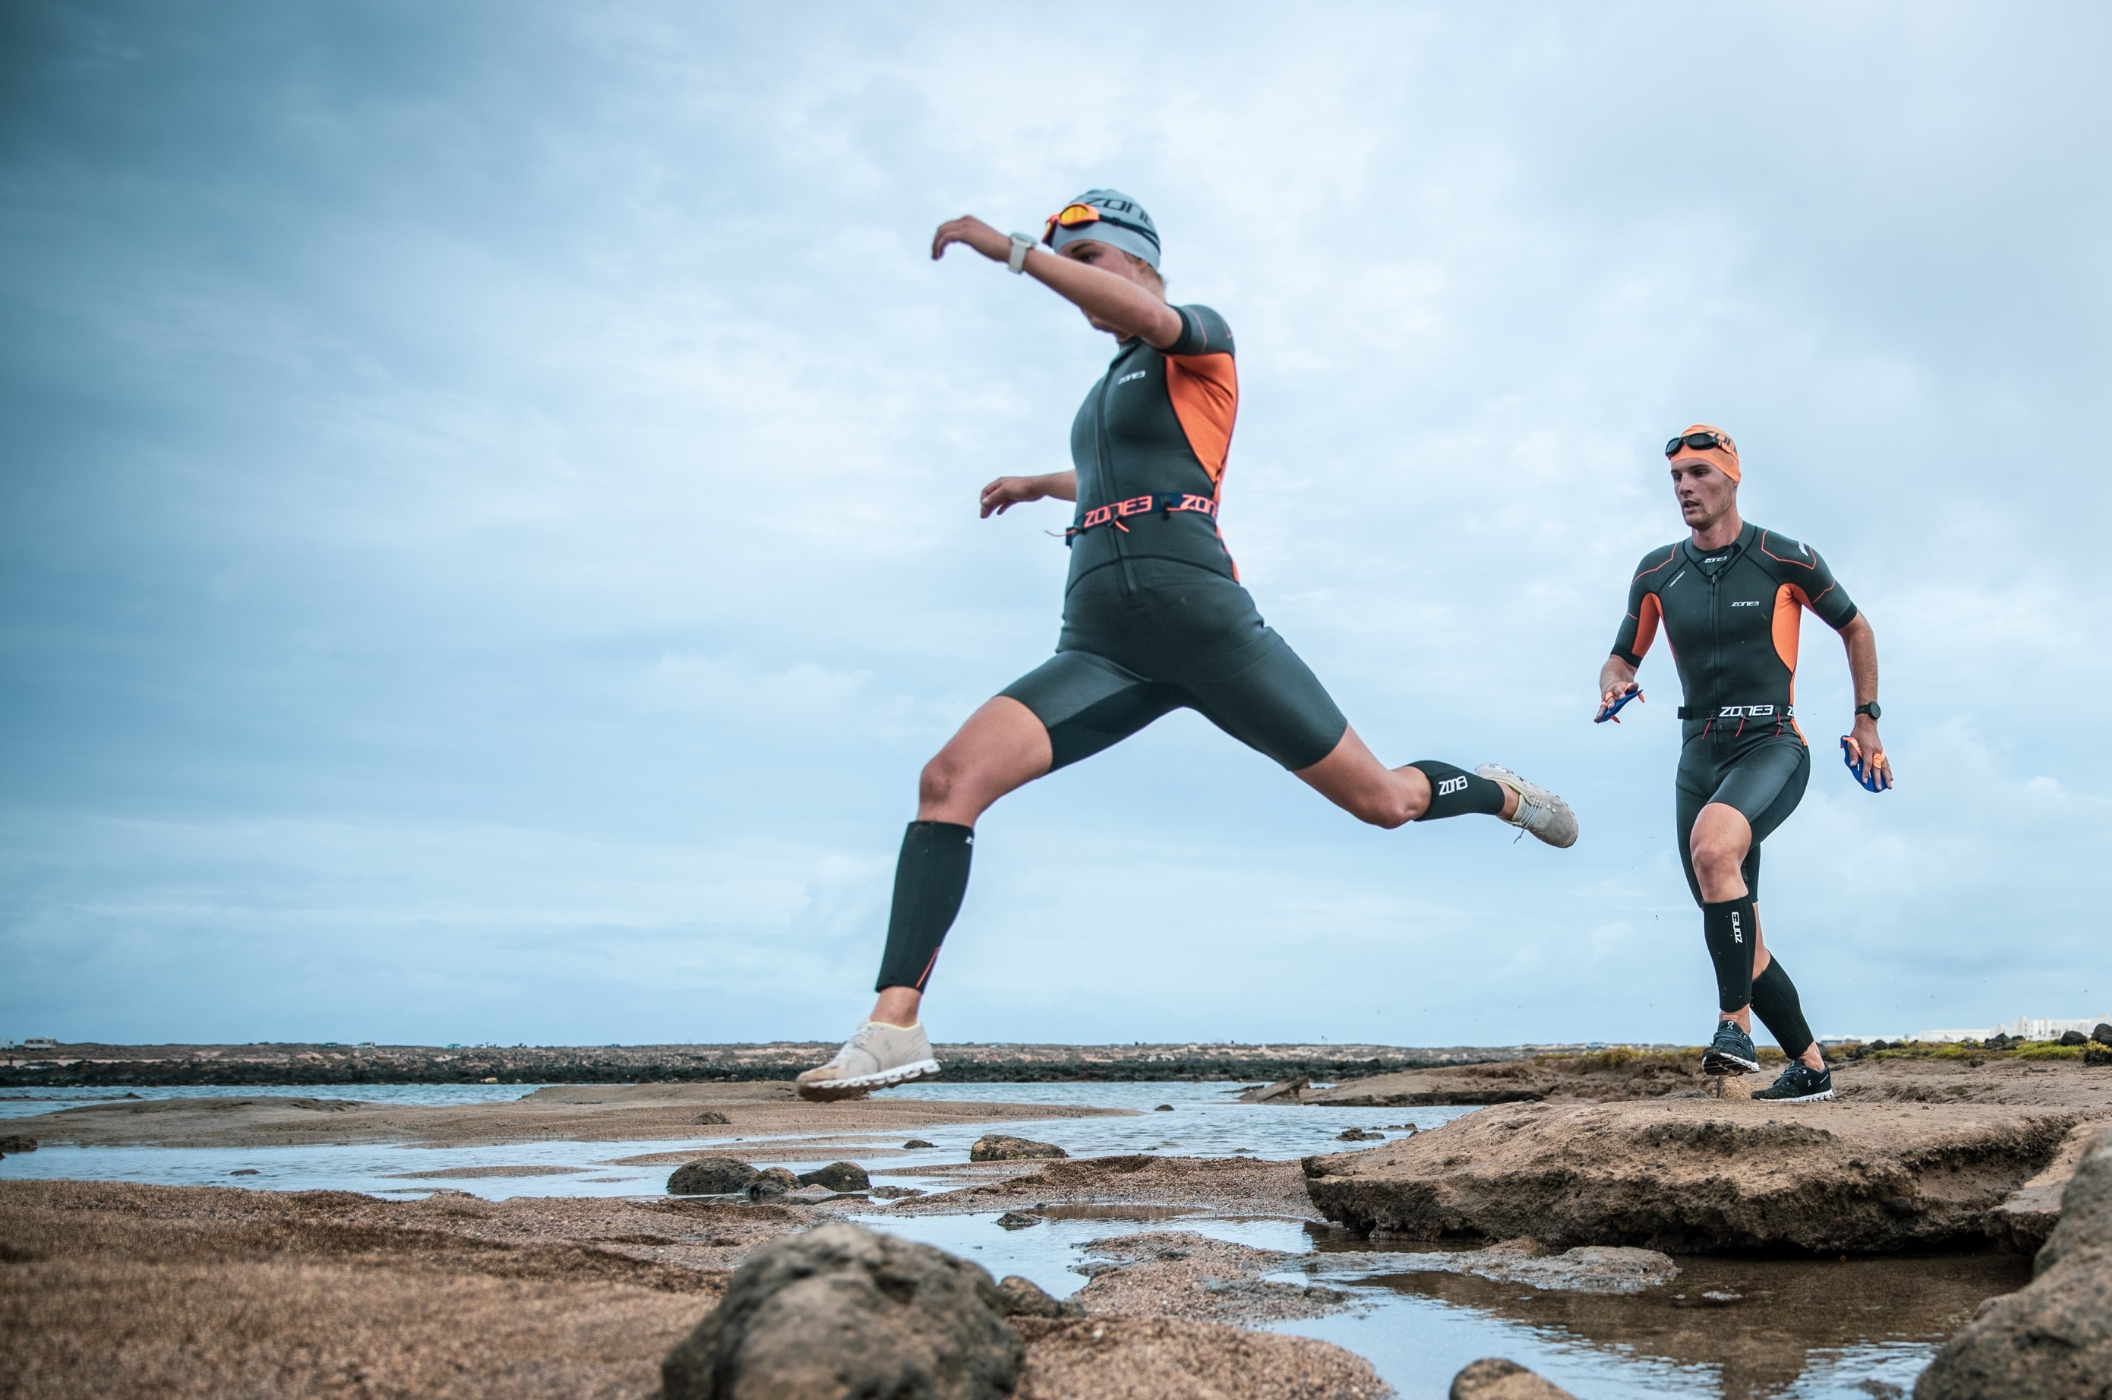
(1780, 1009)
(1724, 866)
(1001, 747)
(1729, 919)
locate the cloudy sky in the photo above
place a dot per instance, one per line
(489, 534)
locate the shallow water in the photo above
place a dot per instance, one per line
(1802, 1329)
(22, 1103)
(1812, 1330)
(1207, 1121)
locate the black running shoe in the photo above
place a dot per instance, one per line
(1731, 1052)
(1800, 1083)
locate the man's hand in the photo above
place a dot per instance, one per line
(977, 235)
(1610, 702)
(1866, 755)
(1616, 686)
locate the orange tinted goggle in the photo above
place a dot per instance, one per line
(1070, 216)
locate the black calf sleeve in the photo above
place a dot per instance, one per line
(931, 875)
(1728, 927)
(1775, 1003)
(1454, 792)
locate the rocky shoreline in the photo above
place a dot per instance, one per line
(1605, 1195)
(239, 1066)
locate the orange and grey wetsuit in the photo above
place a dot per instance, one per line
(1154, 617)
(1732, 616)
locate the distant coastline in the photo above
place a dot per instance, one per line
(123, 1066)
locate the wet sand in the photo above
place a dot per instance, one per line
(121, 1289)
(584, 1113)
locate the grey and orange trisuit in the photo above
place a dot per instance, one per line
(1154, 617)
(1732, 617)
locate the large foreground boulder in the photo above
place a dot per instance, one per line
(2052, 1340)
(842, 1312)
(1695, 1176)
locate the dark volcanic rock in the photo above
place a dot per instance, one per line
(842, 1311)
(996, 1147)
(16, 1142)
(1694, 1176)
(838, 1176)
(772, 1183)
(1023, 1299)
(2074, 1038)
(915, 1143)
(2052, 1340)
(711, 1176)
(2103, 1034)
(1493, 1378)
(1018, 1220)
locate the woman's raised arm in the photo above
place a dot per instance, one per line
(1109, 300)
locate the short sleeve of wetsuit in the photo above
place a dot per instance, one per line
(1639, 627)
(1826, 597)
(1809, 579)
(1203, 332)
(1202, 380)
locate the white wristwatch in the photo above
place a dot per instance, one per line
(1022, 244)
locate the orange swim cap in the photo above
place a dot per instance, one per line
(1723, 457)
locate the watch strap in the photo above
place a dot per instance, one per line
(1871, 708)
(1022, 244)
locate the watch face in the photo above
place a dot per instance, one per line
(1872, 709)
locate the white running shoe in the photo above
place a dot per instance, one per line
(1539, 811)
(878, 1057)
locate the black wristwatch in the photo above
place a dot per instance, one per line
(1873, 709)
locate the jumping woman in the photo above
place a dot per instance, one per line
(1154, 619)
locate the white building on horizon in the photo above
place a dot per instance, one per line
(2023, 1028)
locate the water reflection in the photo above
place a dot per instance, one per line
(1857, 1328)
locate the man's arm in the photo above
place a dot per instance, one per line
(1861, 643)
(1111, 300)
(1008, 491)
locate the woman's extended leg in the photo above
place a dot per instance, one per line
(1001, 747)
(1430, 789)
(1354, 780)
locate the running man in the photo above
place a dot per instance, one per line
(1154, 619)
(1731, 596)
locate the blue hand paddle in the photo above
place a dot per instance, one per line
(1868, 774)
(1615, 708)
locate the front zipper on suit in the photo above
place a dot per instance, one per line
(1128, 580)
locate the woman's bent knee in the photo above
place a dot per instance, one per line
(937, 783)
(1386, 811)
